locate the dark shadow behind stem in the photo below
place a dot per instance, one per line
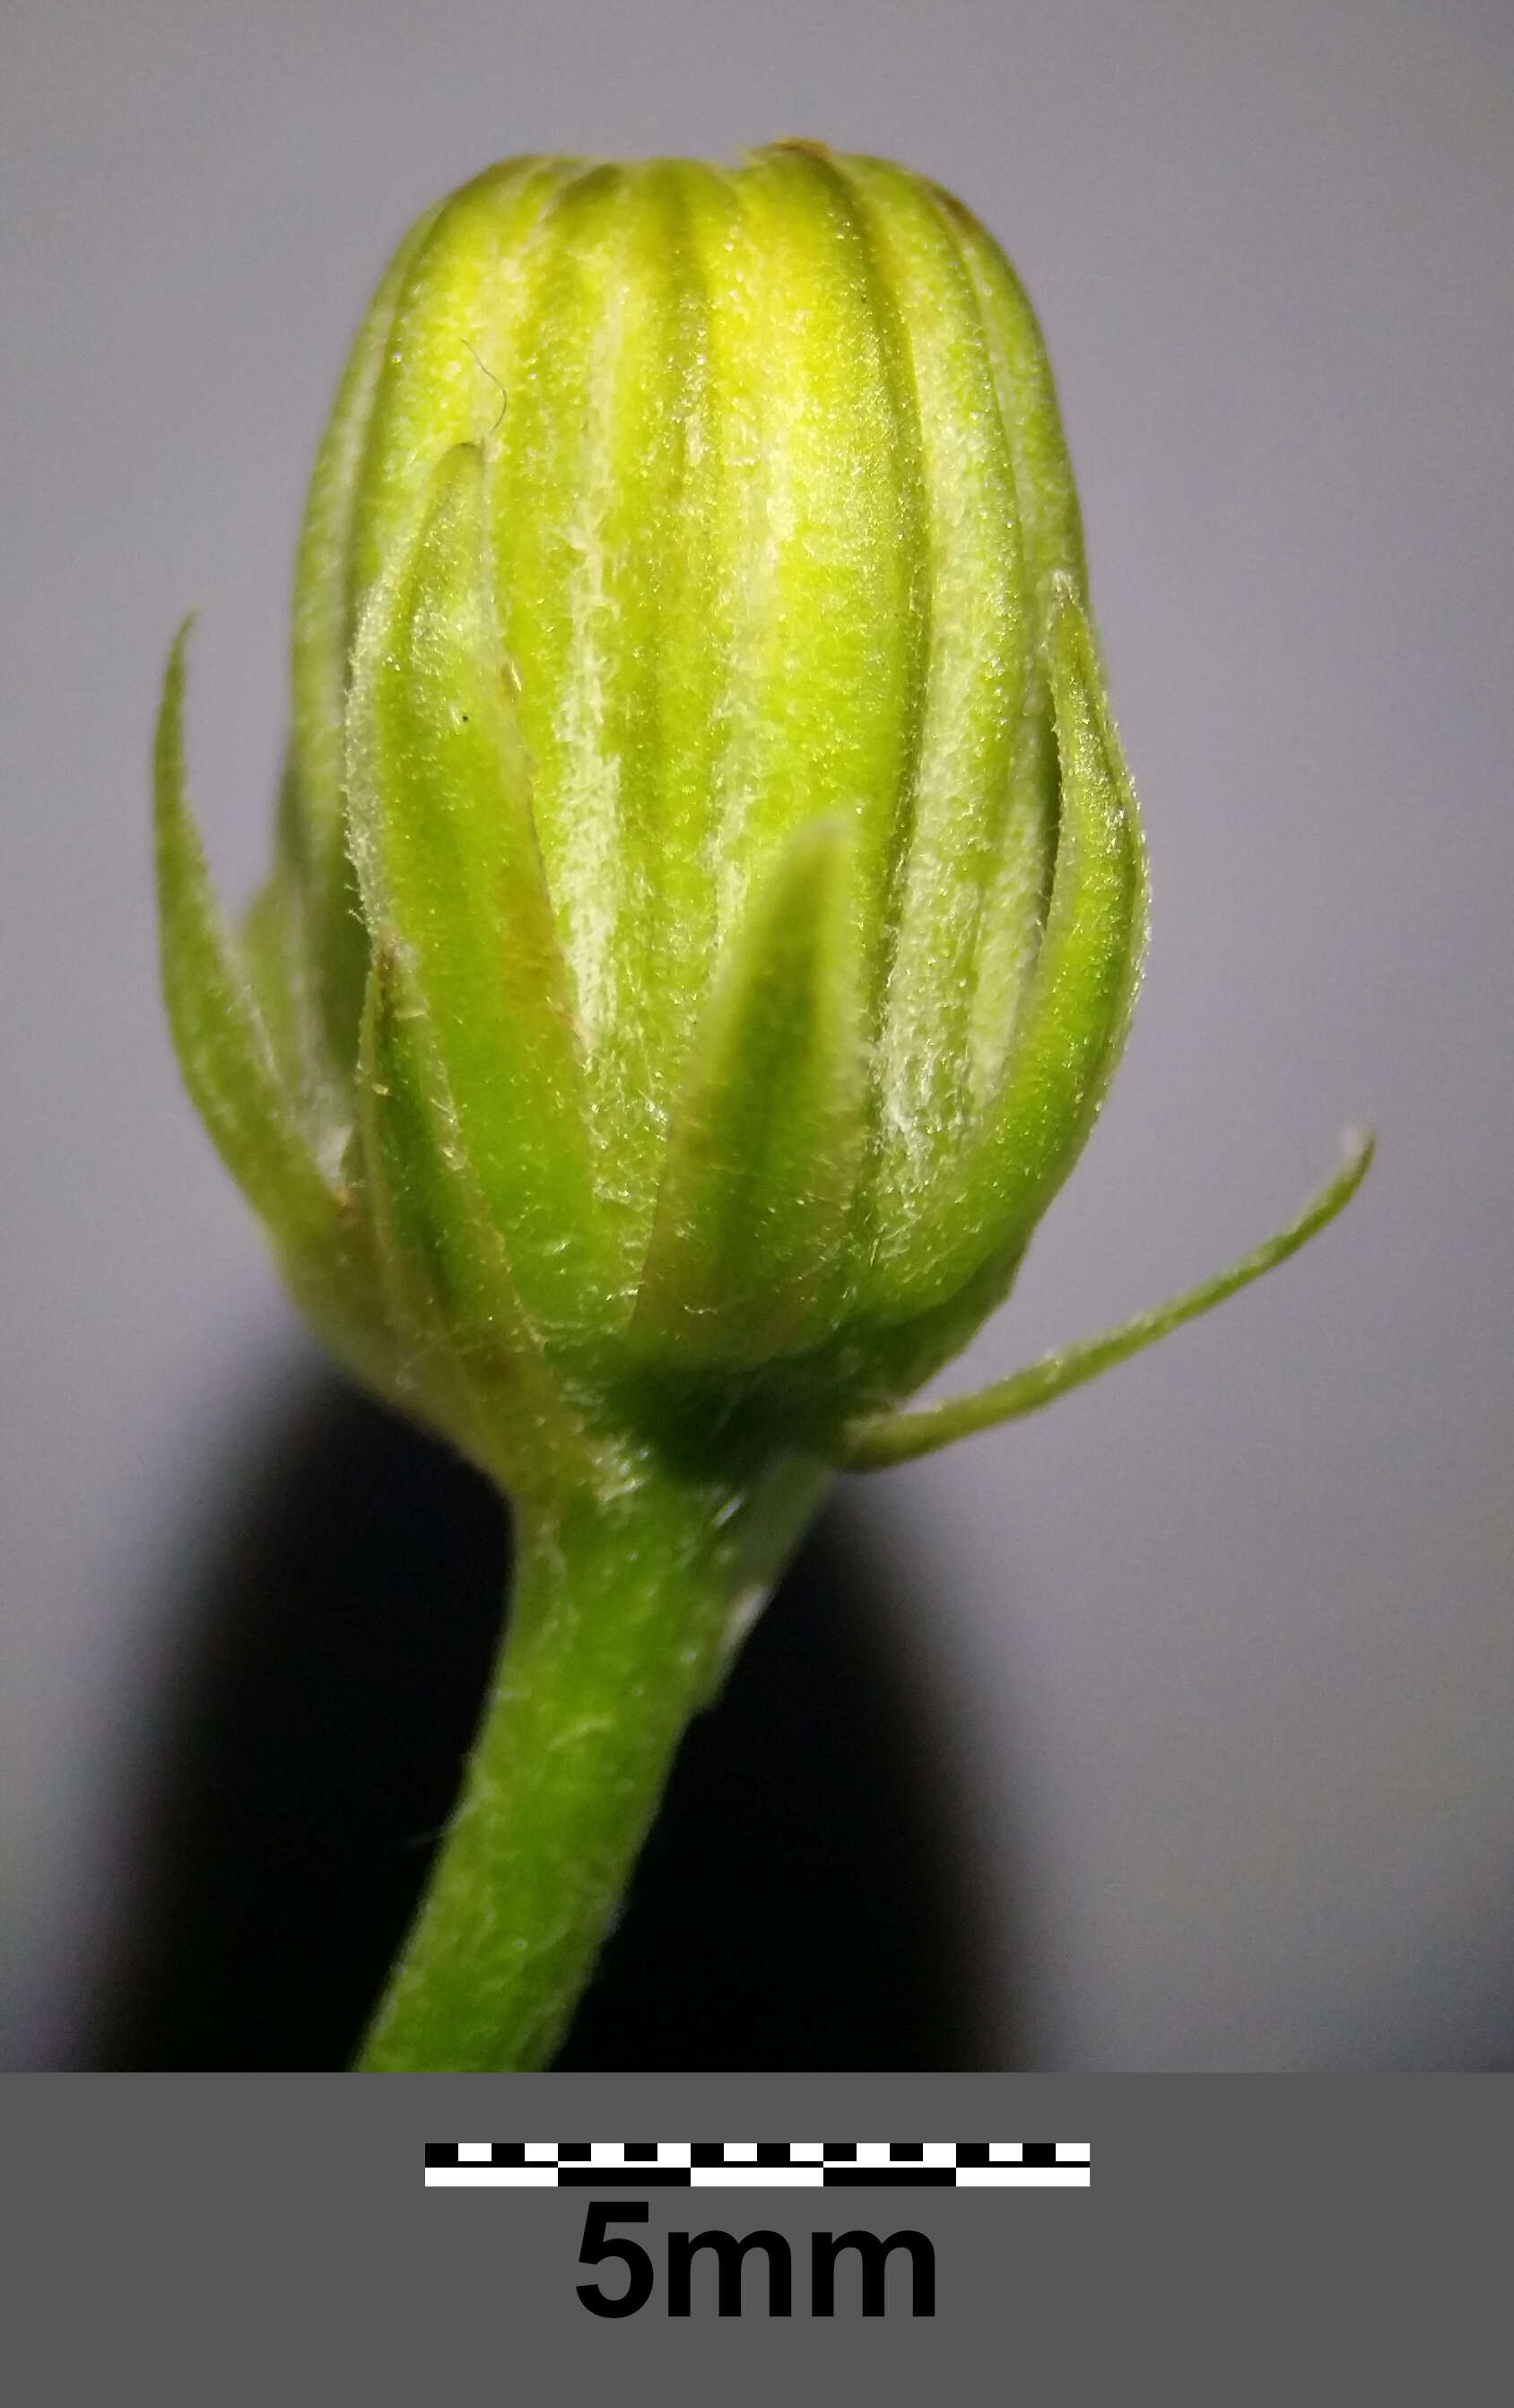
(805, 1900)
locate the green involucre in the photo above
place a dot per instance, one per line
(693, 693)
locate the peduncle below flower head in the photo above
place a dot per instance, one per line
(709, 898)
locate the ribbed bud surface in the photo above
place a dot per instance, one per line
(697, 745)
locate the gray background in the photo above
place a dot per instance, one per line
(1227, 1642)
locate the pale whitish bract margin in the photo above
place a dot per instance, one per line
(758, 2165)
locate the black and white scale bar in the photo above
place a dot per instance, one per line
(757, 2165)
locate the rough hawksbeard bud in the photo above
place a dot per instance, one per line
(708, 896)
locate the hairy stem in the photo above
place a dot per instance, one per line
(624, 1614)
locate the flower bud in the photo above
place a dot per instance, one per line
(708, 897)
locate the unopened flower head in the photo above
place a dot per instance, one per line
(708, 897)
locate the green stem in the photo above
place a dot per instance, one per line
(625, 1613)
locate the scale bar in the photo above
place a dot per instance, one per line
(758, 2165)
